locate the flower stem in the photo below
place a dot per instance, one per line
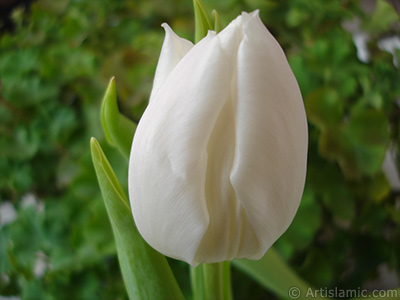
(227, 288)
(212, 281)
(197, 282)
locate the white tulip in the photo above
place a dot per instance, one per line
(218, 161)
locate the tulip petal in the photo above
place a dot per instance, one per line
(271, 126)
(173, 50)
(168, 164)
(229, 234)
(218, 161)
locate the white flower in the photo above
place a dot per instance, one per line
(218, 161)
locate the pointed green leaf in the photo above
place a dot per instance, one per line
(202, 21)
(217, 21)
(119, 129)
(273, 273)
(146, 272)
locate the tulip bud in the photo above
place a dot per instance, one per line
(218, 161)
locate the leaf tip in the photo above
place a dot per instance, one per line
(217, 21)
(108, 109)
(202, 21)
(112, 82)
(95, 149)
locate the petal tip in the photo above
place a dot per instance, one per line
(253, 15)
(166, 27)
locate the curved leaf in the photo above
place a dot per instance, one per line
(119, 129)
(273, 273)
(146, 272)
(202, 21)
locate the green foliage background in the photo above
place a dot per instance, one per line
(54, 69)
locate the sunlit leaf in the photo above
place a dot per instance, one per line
(145, 271)
(119, 129)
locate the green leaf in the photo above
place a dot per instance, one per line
(119, 129)
(383, 16)
(318, 267)
(273, 273)
(202, 21)
(376, 188)
(305, 224)
(146, 272)
(358, 143)
(324, 108)
(217, 21)
(368, 135)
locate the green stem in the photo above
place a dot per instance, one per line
(197, 281)
(227, 280)
(211, 281)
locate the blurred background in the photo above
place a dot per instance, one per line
(56, 58)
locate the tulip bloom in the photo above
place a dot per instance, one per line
(218, 161)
